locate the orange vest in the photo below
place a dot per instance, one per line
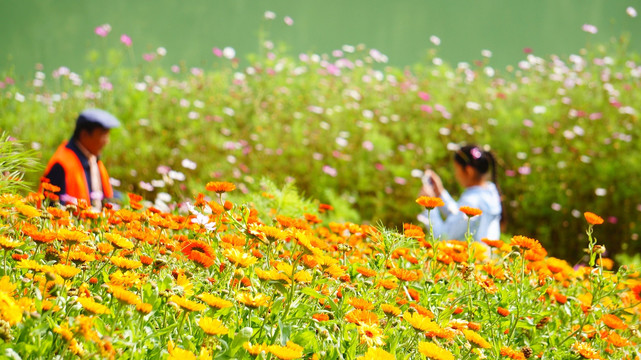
(75, 179)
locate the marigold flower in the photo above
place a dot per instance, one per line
(493, 243)
(592, 218)
(430, 202)
(390, 310)
(125, 263)
(320, 317)
(27, 210)
(371, 335)
(93, 307)
(366, 272)
(360, 304)
(586, 350)
(502, 311)
(512, 354)
(201, 259)
(359, 317)
(144, 308)
(215, 301)
(387, 284)
(253, 301)
(470, 211)
(118, 241)
(617, 340)
(212, 326)
(525, 242)
(220, 186)
(255, 349)
(406, 275)
(7, 244)
(374, 353)
(187, 304)
(123, 295)
(434, 352)
(239, 258)
(66, 271)
(476, 339)
(420, 322)
(178, 353)
(636, 290)
(72, 236)
(288, 352)
(613, 322)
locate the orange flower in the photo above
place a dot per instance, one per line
(525, 242)
(359, 317)
(593, 218)
(201, 259)
(430, 202)
(586, 350)
(360, 304)
(366, 272)
(320, 317)
(406, 275)
(613, 321)
(390, 310)
(503, 311)
(470, 211)
(493, 243)
(220, 186)
(512, 354)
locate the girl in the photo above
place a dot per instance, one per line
(471, 169)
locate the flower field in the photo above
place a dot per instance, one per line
(350, 129)
(227, 280)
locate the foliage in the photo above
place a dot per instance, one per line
(565, 130)
(227, 281)
(15, 161)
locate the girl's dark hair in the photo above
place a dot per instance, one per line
(472, 155)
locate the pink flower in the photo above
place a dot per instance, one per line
(428, 109)
(217, 52)
(289, 21)
(125, 40)
(329, 171)
(175, 69)
(103, 30)
(424, 96)
(589, 28)
(527, 50)
(149, 57)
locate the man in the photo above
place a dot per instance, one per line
(75, 167)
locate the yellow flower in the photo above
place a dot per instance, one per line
(9, 309)
(303, 277)
(376, 354)
(390, 310)
(144, 308)
(66, 271)
(187, 304)
(434, 352)
(476, 339)
(215, 301)
(27, 210)
(239, 258)
(178, 353)
(7, 244)
(290, 351)
(253, 301)
(371, 335)
(124, 295)
(212, 326)
(125, 263)
(119, 241)
(255, 349)
(184, 283)
(72, 236)
(420, 322)
(90, 305)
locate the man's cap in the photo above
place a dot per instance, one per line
(98, 116)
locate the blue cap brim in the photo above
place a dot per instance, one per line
(98, 116)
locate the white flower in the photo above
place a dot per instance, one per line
(188, 164)
(270, 15)
(229, 52)
(589, 28)
(631, 11)
(435, 40)
(161, 51)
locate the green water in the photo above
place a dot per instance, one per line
(60, 32)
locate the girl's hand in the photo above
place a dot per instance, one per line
(436, 182)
